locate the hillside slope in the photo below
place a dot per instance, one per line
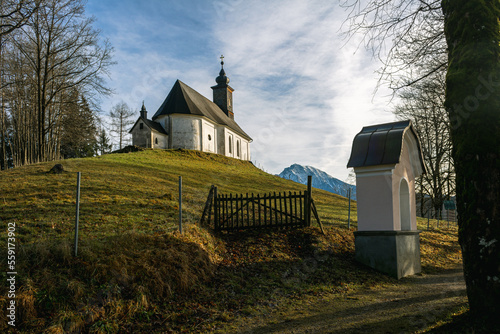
(134, 191)
(135, 273)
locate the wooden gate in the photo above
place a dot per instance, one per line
(254, 211)
(243, 211)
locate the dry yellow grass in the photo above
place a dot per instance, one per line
(134, 272)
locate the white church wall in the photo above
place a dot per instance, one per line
(221, 139)
(195, 133)
(185, 132)
(237, 146)
(209, 137)
(141, 137)
(246, 150)
(159, 140)
(164, 121)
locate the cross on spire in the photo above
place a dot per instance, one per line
(222, 61)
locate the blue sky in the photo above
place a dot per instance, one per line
(302, 92)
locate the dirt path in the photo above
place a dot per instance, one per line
(410, 305)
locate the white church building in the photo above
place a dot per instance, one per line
(188, 120)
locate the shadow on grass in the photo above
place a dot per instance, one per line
(267, 269)
(346, 318)
(465, 323)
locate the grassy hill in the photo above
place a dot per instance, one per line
(135, 273)
(133, 191)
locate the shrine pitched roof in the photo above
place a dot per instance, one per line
(382, 144)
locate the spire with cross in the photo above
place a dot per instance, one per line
(223, 93)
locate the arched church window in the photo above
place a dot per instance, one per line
(156, 141)
(238, 148)
(141, 126)
(230, 145)
(209, 137)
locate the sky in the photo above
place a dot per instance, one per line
(302, 90)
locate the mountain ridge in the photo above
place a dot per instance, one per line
(320, 180)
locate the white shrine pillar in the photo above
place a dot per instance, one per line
(386, 159)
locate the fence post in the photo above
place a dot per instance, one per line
(428, 218)
(77, 215)
(438, 216)
(216, 211)
(308, 200)
(180, 204)
(349, 213)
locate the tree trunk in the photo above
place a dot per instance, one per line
(472, 101)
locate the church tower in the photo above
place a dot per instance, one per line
(144, 112)
(223, 93)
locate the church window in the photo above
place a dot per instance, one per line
(156, 141)
(230, 145)
(209, 137)
(238, 148)
(141, 126)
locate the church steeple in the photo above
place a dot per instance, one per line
(144, 112)
(223, 93)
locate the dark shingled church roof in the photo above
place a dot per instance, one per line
(152, 125)
(381, 145)
(183, 99)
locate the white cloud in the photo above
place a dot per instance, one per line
(298, 92)
(289, 55)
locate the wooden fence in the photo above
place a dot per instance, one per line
(273, 210)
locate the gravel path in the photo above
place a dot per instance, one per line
(408, 306)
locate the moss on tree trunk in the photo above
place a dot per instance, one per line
(473, 103)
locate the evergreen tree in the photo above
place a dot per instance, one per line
(79, 129)
(104, 145)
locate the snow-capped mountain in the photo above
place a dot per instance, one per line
(320, 179)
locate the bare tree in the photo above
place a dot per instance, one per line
(423, 103)
(15, 13)
(121, 121)
(407, 36)
(59, 51)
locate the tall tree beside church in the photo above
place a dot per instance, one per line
(473, 102)
(13, 15)
(63, 52)
(121, 122)
(79, 136)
